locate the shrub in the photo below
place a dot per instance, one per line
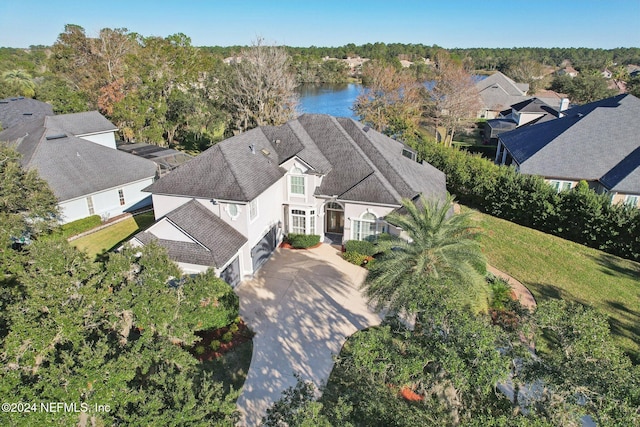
(80, 226)
(215, 345)
(500, 292)
(200, 349)
(354, 257)
(227, 336)
(233, 328)
(303, 241)
(580, 215)
(361, 246)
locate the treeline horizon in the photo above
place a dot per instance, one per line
(482, 57)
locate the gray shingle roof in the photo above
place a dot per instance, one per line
(588, 143)
(79, 124)
(14, 111)
(625, 176)
(357, 165)
(228, 171)
(217, 241)
(499, 92)
(72, 166)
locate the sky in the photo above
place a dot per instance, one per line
(448, 23)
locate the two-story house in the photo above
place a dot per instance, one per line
(229, 207)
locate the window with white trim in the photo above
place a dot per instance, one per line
(365, 227)
(253, 209)
(297, 182)
(312, 222)
(561, 185)
(121, 197)
(631, 201)
(298, 221)
(90, 205)
(232, 210)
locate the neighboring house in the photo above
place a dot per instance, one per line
(229, 207)
(597, 142)
(523, 113)
(18, 110)
(498, 92)
(76, 154)
(558, 101)
(569, 71)
(633, 70)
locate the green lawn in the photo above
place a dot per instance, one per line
(112, 236)
(556, 268)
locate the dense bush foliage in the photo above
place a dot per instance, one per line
(303, 241)
(81, 225)
(362, 247)
(579, 215)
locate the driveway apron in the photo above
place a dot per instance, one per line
(302, 305)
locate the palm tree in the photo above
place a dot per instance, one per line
(441, 251)
(21, 80)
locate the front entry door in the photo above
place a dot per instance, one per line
(335, 222)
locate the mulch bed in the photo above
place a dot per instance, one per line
(285, 245)
(243, 335)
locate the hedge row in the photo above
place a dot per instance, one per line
(80, 226)
(580, 215)
(302, 241)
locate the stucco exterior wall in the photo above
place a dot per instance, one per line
(164, 230)
(162, 204)
(105, 203)
(270, 213)
(355, 210)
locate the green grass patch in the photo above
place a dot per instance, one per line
(552, 267)
(110, 237)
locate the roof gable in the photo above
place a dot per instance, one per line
(504, 83)
(214, 241)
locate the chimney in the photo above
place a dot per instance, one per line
(564, 105)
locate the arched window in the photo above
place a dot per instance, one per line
(334, 206)
(366, 227)
(297, 181)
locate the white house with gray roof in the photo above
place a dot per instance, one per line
(229, 207)
(76, 154)
(597, 142)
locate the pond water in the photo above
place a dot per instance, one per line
(337, 99)
(333, 99)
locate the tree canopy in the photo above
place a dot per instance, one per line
(115, 334)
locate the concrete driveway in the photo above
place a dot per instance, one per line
(302, 306)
